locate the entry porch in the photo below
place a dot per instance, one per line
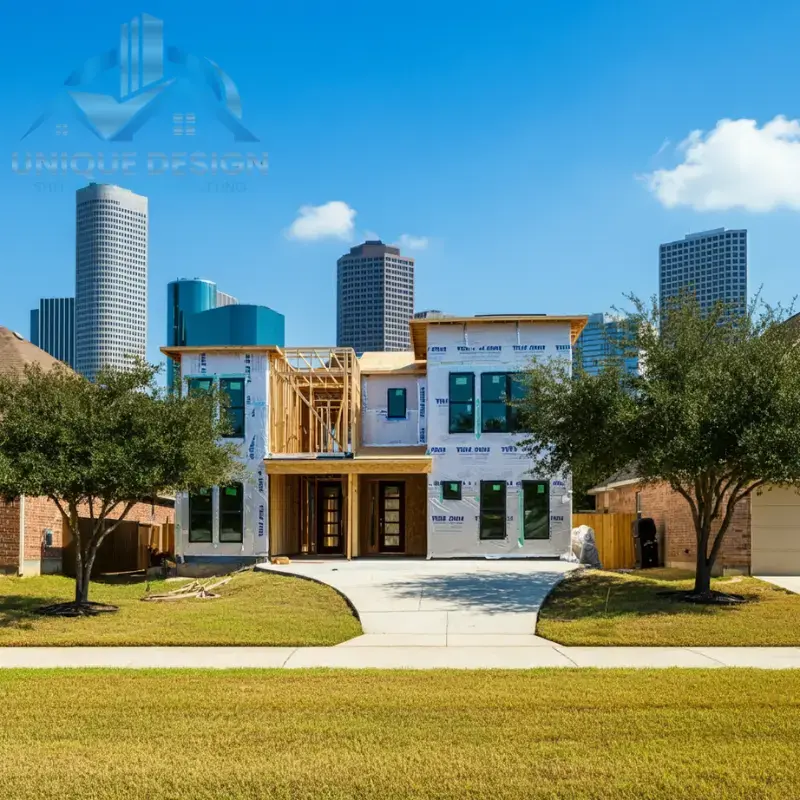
(367, 505)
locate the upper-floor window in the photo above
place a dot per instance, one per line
(233, 388)
(499, 392)
(462, 402)
(396, 404)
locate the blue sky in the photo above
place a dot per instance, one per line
(513, 138)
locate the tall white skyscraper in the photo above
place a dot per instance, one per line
(110, 278)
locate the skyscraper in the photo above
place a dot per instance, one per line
(110, 278)
(600, 343)
(375, 298)
(712, 264)
(186, 297)
(53, 328)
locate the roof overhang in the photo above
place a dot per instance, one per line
(177, 351)
(365, 465)
(607, 487)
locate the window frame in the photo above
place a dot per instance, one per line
(511, 423)
(457, 495)
(192, 538)
(389, 414)
(223, 513)
(231, 409)
(193, 380)
(495, 512)
(459, 403)
(546, 495)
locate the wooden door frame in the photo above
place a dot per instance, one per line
(382, 510)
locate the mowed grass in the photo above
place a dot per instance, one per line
(255, 608)
(609, 608)
(690, 734)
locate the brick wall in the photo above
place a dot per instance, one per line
(9, 536)
(673, 519)
(41, 514)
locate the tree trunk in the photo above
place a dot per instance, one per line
(82, 583)
(79, 581)
(702, 577)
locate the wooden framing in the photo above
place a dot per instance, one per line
(315, 400)
(410, 465)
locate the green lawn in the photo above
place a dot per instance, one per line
(654, 735)
(255, 608)
(608, 608)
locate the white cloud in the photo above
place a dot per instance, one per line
(409, 242)
(736, 165)
(371, 236)
(334, 219)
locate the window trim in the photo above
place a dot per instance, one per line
(504, 515)
(239, 512)
(458, 493)
(192, 539)
(512, 423)
(451, 404)
(230, 408)
(389, 414)
(533, 483)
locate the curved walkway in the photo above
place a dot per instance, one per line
(455, 603)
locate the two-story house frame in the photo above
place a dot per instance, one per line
(412, 453)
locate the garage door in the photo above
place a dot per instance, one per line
(776, 533)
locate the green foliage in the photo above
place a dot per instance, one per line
(110, 444)
(120, 439)
(716, 412)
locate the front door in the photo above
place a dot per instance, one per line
(392, 521)
(329, 525)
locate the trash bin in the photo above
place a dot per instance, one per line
(645, 539)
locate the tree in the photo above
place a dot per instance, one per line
(102, 447)
(715, 414)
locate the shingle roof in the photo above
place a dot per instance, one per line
(16, 352)
(626, 475)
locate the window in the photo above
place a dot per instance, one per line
(199, 385)
(493, 510)
(498, 415)
(451, 490)
(233, 389)
(396, 404)
(462, 402)
(200, 516)
(536, 509)
(231, 503)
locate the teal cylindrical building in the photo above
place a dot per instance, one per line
(185, 297)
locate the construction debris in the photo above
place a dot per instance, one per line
(198, 589)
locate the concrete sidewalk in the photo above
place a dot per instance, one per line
(352, 656)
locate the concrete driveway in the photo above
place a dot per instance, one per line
(788, 582)
(405, 602)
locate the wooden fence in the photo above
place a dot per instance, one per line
(126, 549)
(614, 536)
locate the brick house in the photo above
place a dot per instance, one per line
(32, 531)
(763, 537)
